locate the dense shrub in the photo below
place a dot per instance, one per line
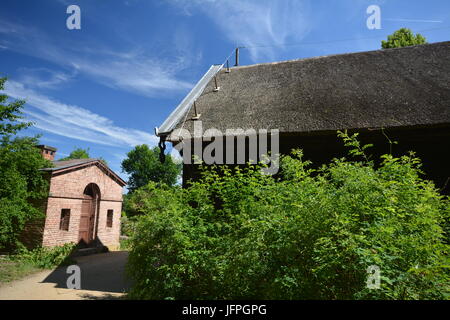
(310, 234)
(47, 258)
(127, 225)
(21, 185)
(21, 182)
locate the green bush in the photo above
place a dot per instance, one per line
(127, 225)
(21, 185)
(21, 182)
(47, 258)
(310, 234)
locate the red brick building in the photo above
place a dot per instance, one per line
(84, 203)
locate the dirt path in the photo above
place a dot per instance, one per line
(102, 277)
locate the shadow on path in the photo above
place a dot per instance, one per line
(99, 272)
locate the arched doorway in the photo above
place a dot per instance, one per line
(89, 208)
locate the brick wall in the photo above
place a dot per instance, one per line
(66, 191)
(72, 184)
(52, 235)
(109, 236)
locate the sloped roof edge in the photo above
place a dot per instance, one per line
(400, 87)
(61, 166)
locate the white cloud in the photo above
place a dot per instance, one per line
(414, 20)
(132, 70)
(75, 122)
(146, 76)
(256, 24)
(43, 77)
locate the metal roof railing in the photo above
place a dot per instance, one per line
(185, 105)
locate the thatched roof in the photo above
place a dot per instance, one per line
(385, 88)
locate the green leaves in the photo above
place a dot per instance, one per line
(22, 185)
(78, 153)
(143, 166)
(354, 145)
(10, 114)
(237, 234)
(403, 38)
(48, 258)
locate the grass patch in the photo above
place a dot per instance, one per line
(14, 270)
(25, 262)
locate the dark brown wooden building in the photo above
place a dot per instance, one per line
(402, 93)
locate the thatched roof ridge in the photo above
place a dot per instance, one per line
(385, 88)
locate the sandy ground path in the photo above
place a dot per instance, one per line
(102, 277)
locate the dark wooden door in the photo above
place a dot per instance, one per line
(86, 230)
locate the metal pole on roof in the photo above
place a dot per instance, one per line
(196, 114)
(237, 57)
(217, 88)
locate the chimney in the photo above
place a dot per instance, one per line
(47, 152)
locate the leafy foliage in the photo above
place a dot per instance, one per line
(127, 225)
(311, 234)
(47, 258)
(10, 114)
(80, 153)
(21, 182)
(21, 185)
(403, 38)
(143, 165)
(153, 196)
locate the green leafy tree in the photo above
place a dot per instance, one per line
(152, 194)
(77, 153)
(21, 183)
(403, 38)
(10, 113)
(143, 165)
(80, 153)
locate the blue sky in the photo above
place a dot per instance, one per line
(106, 86)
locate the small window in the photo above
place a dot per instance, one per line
(109, 218)
(65, 219)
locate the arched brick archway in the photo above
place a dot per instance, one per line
(89, 214)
